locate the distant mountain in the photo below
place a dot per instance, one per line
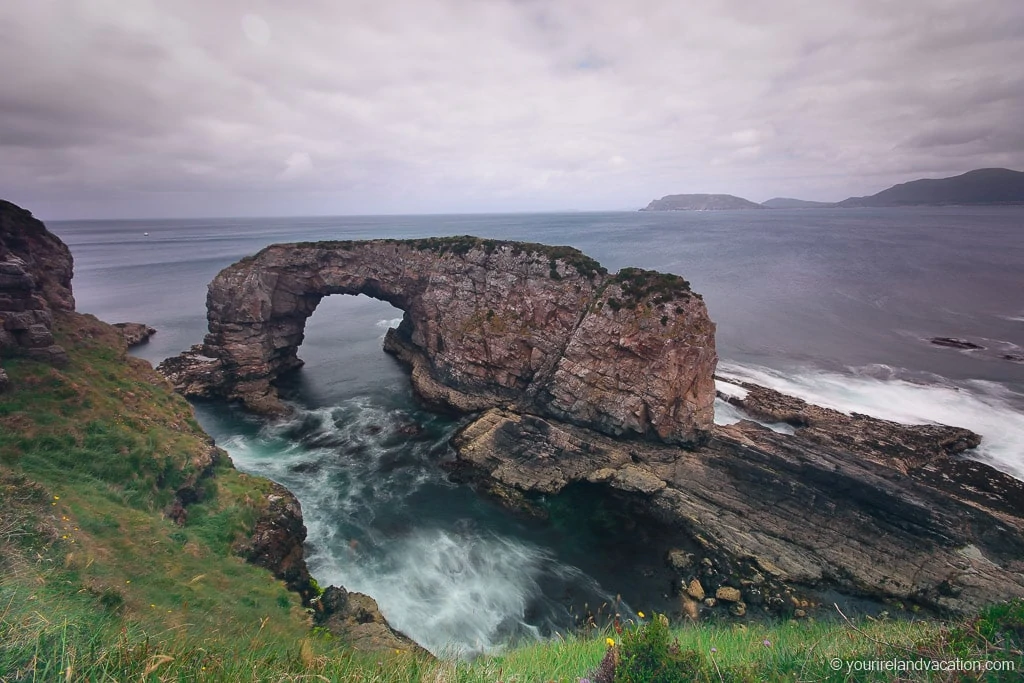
(983, 186)
(700, 202)
(787, 203)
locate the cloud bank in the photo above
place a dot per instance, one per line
(194, 108)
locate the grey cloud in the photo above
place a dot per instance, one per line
(235, 107)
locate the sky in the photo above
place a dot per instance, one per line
(193, 108)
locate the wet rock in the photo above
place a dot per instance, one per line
(695, 590)
(487, 324)
(135, 333)
(954, 343)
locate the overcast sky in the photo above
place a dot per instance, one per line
(167, 108)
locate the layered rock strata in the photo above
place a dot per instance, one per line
(487, 324)
(864, 506)
(35, 281)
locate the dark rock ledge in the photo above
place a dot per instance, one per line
(855, 504)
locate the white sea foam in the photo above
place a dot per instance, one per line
(727, 414)
(457, 594)
(730, 390)
(981, 406)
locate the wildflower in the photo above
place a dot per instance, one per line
(640, 614)
(56, 497)
(767, 643)
(610, 641)
(714, 650)
(128, 581)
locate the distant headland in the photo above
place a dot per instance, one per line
(983, 186)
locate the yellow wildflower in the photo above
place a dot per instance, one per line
(610, 641)
(640, 614)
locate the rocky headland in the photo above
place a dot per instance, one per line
(573, 377)
(35, 281)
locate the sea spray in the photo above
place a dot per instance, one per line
(384, 519)
(987, 408)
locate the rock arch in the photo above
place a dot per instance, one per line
(487, 323)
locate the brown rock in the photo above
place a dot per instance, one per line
(487, 324)
(710, 602)
(695, 590)
(690, 608)
(738, 609)
(357, 620)
(776, 509)
(35, 279)
(135, 333)
(679, 560)
(728, 594)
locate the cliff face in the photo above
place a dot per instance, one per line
(487, 323)
(35, 280)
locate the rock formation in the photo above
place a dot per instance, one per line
(868, 507)
(35, 280)
(487, 324)
(135, 333)
(276, 544)
(560, 360)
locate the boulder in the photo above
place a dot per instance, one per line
(135, 333)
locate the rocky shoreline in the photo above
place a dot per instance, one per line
(756, 520)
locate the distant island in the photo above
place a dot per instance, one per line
(979, 187)
(700, 202)
(788, 203)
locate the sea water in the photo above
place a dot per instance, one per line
(835, 306)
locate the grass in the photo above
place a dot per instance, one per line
(96, 583)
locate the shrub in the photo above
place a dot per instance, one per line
(647, 656)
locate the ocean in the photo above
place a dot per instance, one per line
(833, 305)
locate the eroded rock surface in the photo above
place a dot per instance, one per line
(276, 543)
(851, 503)
(35, 281)
(487, 324)
(135, 333)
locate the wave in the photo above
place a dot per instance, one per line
(894, 394)
(460, 593)
(437, 575)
